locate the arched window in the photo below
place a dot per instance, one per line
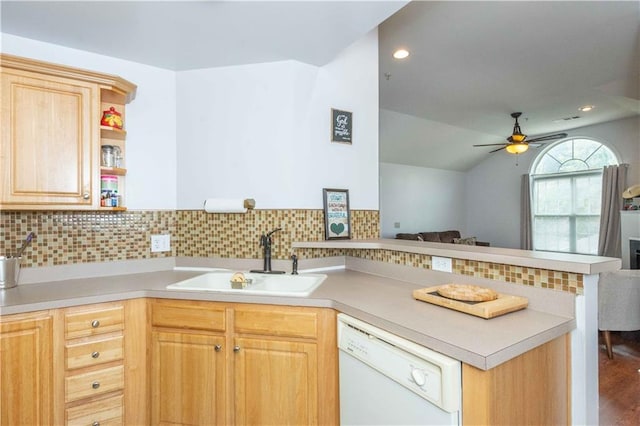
(566, 184)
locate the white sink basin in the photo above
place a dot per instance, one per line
(262, 284)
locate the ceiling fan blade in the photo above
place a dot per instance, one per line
(496, 150)
(493, 144)
(548, 137)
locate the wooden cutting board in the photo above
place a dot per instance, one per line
(504, 304)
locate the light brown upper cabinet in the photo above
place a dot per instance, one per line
(50, 138)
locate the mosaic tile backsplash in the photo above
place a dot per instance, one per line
(542, 278)
(84, 237)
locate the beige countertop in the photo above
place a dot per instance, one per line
(384, 302)
(566, 262)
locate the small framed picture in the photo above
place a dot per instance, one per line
(337, 218)
(341, 126)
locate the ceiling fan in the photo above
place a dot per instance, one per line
(518, 143)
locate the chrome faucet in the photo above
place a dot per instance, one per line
(265, 243)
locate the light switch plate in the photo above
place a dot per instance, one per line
(441, 264)
(160, 243)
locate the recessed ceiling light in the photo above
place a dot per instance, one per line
(400, 53)
(586, 108)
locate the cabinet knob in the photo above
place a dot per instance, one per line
(95, 384)
(95, 354)
(86, 195)
(218, 348)
(95, 323)
(95, 424)
(236, 348)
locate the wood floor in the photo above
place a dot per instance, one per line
(620, 381)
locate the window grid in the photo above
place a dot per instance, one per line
(566, 186)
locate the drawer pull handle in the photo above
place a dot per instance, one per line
(218, 348)
(95, 424)
(95, 385)
(95, 354)
(236, 348)
(95, 323)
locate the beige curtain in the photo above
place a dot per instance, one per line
(526, 230)
(614, 182)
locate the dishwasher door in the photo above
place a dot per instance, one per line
(381, 383)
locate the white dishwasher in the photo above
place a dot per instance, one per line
(388, 380)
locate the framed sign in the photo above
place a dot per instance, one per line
(341, 126)
(337, 220)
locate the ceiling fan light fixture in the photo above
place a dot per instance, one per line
(518, 137)
(516, 148)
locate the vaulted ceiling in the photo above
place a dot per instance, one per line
(471, 63)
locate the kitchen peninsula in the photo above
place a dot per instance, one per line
(369, 284)
(514, 272)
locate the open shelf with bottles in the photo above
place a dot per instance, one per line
(112, 150)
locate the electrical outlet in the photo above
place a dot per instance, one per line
(160, 243)
(441, 264)
(396, 225)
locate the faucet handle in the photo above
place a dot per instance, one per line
(273, 232)
(294, 268)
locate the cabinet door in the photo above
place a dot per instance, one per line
(275, 382)
(48, 154)
(187, 379)
(26, 373)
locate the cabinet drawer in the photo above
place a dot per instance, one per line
(276, 321)
(188, 315)
(94, 352)
(108, 411)
(94, 383)
(104, 319)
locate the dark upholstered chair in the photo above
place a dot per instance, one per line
(618, 303)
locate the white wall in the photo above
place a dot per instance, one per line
(263, 131)
(493, 186)
(151, 127)
(258, 131)
(421, 199)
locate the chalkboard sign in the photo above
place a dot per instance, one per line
(341, 126)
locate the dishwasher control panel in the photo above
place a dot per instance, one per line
(429, 374)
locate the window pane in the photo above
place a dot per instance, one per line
(552, 233)
(587, 229)
(573, 166)
(552, 196)
(547, 164)
(602, 157)
(588, 194)
(583, 148)
(562, 152)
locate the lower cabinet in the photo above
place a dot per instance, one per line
(276, 382)
(94, 365)
(109, 411)
(26, 376)
(216, 363)
(188, 376)
(533, 388)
